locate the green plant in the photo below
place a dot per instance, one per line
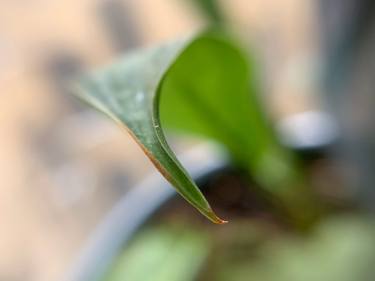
(205, 86)
(339, 249)
(209, 87)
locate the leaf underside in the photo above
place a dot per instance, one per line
(204, 86)
(128, 92)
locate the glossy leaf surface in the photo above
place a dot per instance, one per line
(128, 92)
(205, 86)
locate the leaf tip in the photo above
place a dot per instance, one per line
(221, 221)
(215, 219)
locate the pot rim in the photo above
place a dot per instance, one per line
(125, 218)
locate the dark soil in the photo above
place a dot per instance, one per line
(232, 195)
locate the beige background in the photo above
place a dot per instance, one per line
(62, 165)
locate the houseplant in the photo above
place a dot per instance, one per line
(207, 86)
(203, 86)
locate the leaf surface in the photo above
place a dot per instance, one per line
(128, 91)
(205, 86)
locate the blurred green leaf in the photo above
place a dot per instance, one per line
(173, 253)
(339, 249)
(211, 10)
(212, 90)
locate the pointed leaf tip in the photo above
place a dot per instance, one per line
(214, 218)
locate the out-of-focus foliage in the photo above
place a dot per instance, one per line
(213, 91)
(173, 253)
(341, 249)
(210, 9)
(338, 250)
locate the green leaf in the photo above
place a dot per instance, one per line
(128, 91)
(167, 252)
(205, 86)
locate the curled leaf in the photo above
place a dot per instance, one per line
(128, 91)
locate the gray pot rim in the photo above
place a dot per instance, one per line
(145, 198)
(132, 211)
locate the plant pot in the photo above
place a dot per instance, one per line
(150, 196)
(134, 210)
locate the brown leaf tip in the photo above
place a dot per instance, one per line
(215, 219)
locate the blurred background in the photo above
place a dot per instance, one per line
(63, 165)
